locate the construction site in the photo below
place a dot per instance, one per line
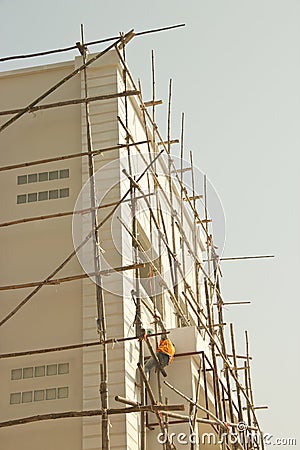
(108, 254)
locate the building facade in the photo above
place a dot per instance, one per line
(150, 249)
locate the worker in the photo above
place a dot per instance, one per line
(165, 352)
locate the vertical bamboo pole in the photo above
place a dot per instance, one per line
(155, 297)
(175, 262)
(221, 333)
(138, 316)
(99, 291)
(249, 373)
(195, 241)
(181, 205)
(238, 390)
(213, 353)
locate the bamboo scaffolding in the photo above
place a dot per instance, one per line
(212, 286)
(88, 44)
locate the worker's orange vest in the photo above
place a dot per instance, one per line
(166, 346)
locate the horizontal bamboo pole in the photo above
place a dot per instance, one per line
(87, 44)
(66, 213)
(126, 401)
(184, 418)
(56, 281)
(89, 413)
(73, 346)
(71, 156)
(75, 101)
(236, 258)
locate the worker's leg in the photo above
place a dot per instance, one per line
(148, 366)
(163, 358)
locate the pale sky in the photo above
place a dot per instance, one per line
(236, 71)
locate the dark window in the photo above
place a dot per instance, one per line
(21, 199)
(53, 194)
(43, 195)
(43, 176)
(64, 173)
(22, 179)
(64, 192)
(53, 175)
(32, 197)
(32, 178)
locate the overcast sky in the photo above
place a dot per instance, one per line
(236, 71)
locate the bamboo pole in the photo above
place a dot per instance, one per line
(213, 353)
(64, 214)
(101, 320)
(89, 413)
(73, 346)
(220, 304)
(56, 281)
(65, 157)
(99, 41)
(173, 236)
(240, 412)
(75, 101)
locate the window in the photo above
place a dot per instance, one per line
(53, 175)
(21, 199)
(64, 193)
(16, 374)
(32, 178)
(15, 398)
(28, 372)
(43, 195)
(32, 197)
(39, 395)
(52, 369)
(51, 394)
(53, 194)
(43, 176)
(22, 179)
(39, 371)
(27, 397)
(63, 368)
(64, 173)
(62, 392)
